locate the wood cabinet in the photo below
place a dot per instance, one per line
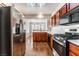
(51, 41)
(52, 21)
(73, 5)
(57, 18)
(49, 23)
(63, 10)
(19, 45)
(40, 37)
(73, 50)
(68, 7)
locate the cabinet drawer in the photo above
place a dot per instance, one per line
(74, 49)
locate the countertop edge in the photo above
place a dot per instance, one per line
(76, 42)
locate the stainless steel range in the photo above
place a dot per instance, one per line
(60, 44)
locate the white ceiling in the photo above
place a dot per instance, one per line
(48, 8)
(31, 12)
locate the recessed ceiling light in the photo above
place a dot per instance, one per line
(40, 15)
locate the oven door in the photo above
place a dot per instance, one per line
(61, 50)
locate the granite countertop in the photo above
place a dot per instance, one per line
(76, 42)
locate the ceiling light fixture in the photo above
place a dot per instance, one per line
(40, 15)
(36, 5)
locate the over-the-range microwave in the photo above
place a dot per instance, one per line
(69, 19)
(75, 17)
(65, 20)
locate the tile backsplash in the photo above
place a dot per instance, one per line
(62, 29)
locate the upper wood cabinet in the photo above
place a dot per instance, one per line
(63, 10)
(68, 7)
(73, 5)
(52, 21)
(57, 18)
(49, 23)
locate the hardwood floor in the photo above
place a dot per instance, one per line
(18, 49)
(32, 48)
(37, 48)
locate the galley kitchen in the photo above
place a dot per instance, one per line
(39, 29)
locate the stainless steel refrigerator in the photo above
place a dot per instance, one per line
(5, 31)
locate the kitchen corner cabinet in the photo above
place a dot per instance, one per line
(73, 49)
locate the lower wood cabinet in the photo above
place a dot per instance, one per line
(73, 50)
(71, 54)
(40, 37)
(63, 10)
(51, 41)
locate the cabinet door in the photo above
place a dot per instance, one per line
(63, 10)
(73, 5)
(54, 20)
(68, 7)
(71, 54)
(51, 21)
(38, 37)
(73, 48)
(51, 41)
(57, 18)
